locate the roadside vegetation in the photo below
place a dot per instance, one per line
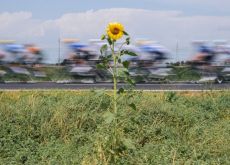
(68, 127)
(60, 73)
(53, 73)
(184, 73)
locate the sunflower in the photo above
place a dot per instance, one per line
(115, 30)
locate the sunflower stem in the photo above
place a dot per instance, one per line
(114, 80)
(115, 94)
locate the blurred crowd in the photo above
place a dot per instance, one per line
(28, 54)
(210, 58)
(23, 59)
(81, 59)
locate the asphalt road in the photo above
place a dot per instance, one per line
(53, 85)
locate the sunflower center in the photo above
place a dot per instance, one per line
(115, 31)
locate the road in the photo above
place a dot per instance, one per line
(53, 85)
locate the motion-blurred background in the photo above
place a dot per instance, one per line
(174, 40)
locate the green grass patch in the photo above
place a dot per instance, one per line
(184, 73)
(67, 127)
(54, 73)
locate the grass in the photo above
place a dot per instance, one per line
(184, 74)
(67, 127)
(56, 73)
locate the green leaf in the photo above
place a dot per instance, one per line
(116, 57)
(125, 33)
(129, 53)
(128, 143)
(103, 37)
(133, 106)
(119, 60)
(128, 41)
(109, 56)
(130, 81)
(126, 64)
(101, 57)
(126, 73)
(103, 48)
(121, 90)
(122, 52)
(109, 41)
(100, 66)
(105, 59)
(108, 117)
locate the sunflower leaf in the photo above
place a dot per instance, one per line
(130, 81)
(103, 48)
(128, 41)
(122, 52)
(105, 57)
(129, 53)
(119, 60)
(103, 37)
(125, 33)
(126, 73)
(109, 41)
(126, 64)
(109, 56)
(100, 66)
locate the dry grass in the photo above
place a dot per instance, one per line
(67, 127)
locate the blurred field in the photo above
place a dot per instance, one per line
(67, 127)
